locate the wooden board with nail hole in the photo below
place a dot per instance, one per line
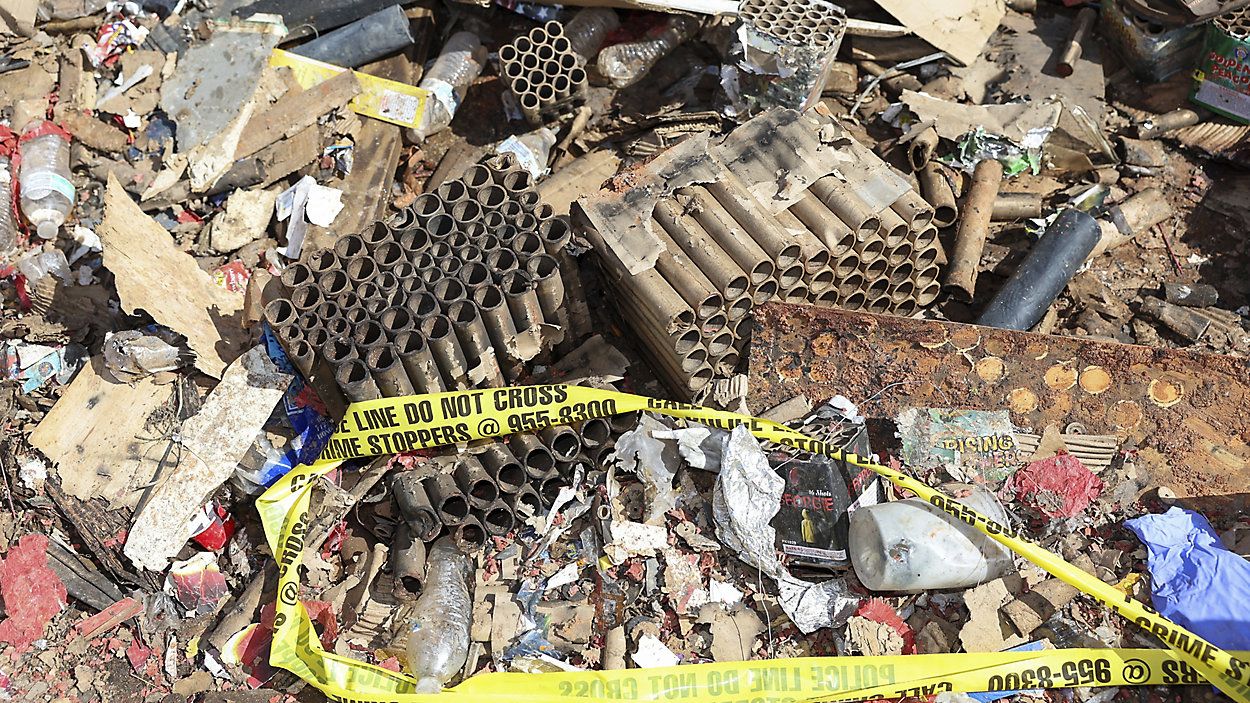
(1184, 413)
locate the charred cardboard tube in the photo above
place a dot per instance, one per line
(724, 273)
(1182, 321)
(728, 234)
(855, 300)
(395, 321)
(377, 234)
(1071, 50)
(658, 300)
(938, 193)
(504, 467)
(894, 229)
(324, 260)
(1154, 127)
(795, 294)
(820, 281)
(727, 364)
(534, 456)
(1136, 214)
(414, 505)
(407, 564)
(815, 254)
(920, 149)
(961, 274)
(306, 298)
(1044, 273)
(738, 308)
(685, 277)
(879, 305)
(320, 375)
(296, 275)
(764, 292)
(522, 297)
(476, 485)
(906, 308)
(545, 272)
(733, 197)
(500, 327)
(549, 487)
(841, 199)
(914, 210)
(1191, 295)
(469, 535)
(822, 222)
(594, 432)
(681, 338)
(475, 340)
(524, 503)
(445, 347)
(388, 372)
(899, 254)
(1016, 206)
(497, 519)
(562, 440)
(349, 247)
(676, 367)
(369, 335)
(447, 498)
(721, 343)
(357, 384)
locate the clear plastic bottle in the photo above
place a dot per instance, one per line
(624, 64)
(8, 228)
(448, 79)
(47, 193)
(910, 546)
(438, 643)
(588, 28)
(37, 264)
(532, 150)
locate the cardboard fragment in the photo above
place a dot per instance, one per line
(953, 120)
(733, 633)
(986, 630)
(959, 27)
(214, 440)
(295, 111)
(153, 275)
(95, 436)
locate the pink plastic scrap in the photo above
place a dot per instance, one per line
(1058, 487)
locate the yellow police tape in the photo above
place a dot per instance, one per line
(401, 424)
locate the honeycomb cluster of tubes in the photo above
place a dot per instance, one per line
(810, 22)
(439, 299)
(543, 72)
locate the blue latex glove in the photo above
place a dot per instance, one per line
(1195, 581)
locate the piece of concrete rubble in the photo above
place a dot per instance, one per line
(246, 218)
(1030, 610)
(985, 630)
(872, 638)
(215, 439)
(936, 637)
(733, 631)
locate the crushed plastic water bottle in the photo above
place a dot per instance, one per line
(588, 28)
(438, 643)
(625, 64)
(47, 193)
(455, 68)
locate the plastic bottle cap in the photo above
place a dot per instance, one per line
(47, 229)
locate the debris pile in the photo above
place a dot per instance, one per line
(678, 349)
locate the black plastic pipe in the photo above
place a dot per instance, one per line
(1044, 273)
(367, 39)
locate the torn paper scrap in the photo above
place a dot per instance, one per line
(304, 203)
(214, 440)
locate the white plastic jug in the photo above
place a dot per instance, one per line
(910, 546)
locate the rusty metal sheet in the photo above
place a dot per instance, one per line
(1185, 413)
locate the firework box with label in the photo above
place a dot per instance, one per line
(1222, 79)
(813, 520)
